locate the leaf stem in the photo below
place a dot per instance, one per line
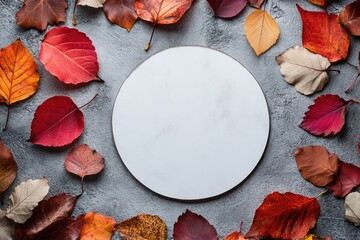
(265, 2)
(332, 70)
(7, 117)
(89, 101)
(322, 193)
(82, 186)
(147, 47)
(351, 64)
(353, 83)
(73, 13)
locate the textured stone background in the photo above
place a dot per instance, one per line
(115, 192)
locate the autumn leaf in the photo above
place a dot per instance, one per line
(347, 179)
(323, 34)
(6, 227)
(97, 227)
(25, 198)
(255, 3)
(18, 74)
(261, 30)
(57, 122)
(8, 167)
(143, 226)
(314, 237)
(356, 77)
(69, 55)
(320, 3)
(238, 235)
(326, 116)
(227, 8)
(285, 216)
(350, 17)
(304, 69)
(161, 12)
(39, 13)
(68, 229)
(352, 208)
(191, 226)
(45, 214)
(91, 3)
(317, 165)
(121, 12)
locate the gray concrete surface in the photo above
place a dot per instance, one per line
(115, 192)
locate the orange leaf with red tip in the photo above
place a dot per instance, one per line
(97, 227)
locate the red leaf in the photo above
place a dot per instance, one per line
(255, 3)
(347, 179)
(326, 115)
(39, 13)
(83, 161)
(45, 214)
(57, 122)
(67, 229)
(323, 34)
(227, 8)
(121, 12)
(285, 216)
(69, 55)
(350, 17)
(191, 226)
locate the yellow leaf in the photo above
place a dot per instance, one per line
(261, 31)
(97, 227)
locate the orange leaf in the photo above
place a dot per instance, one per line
(161, 11)
(121, 12)
(238, 235)
(143, 226)
(97, 227)
(350, 17)
(323, 34)
(8, 167)
(320, 3)
(261, 30)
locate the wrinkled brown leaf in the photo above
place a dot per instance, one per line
(8, 167)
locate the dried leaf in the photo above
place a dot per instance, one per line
(352, 208)
(161, 12)
(18, 74)
(141, 227)
(227, 8)
(45, 214)
(255, 3)
(68, 229)
(261, 30)
(39, 13)
(91, 3)
(83, 161)
(317, 165)
(326, 116)
(8, 168)
(121, 12)
(314, 237)
(25, 198)
(191, 226)
(304, 69)
(6, 227)
(238, 235)
(97, 227)
(350, 17)
(347, 179)
(320, 3)
(69, 55)
(323, 34)
(285, 216)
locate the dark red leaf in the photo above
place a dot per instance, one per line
(347, 179)
(67, 229)
(227, 8)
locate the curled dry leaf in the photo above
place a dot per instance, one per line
(323, 34)
(57, 122)
(161, 12)
(45, 214)
(227, 8)
(25, 198)
(68, 229)
(97, 226)
(261, 30)
(255, 3)
(326, 116)
(285, 216)
(91, 3)
(121, 12)
(304, 69)
(18, 74)
(317, 165)
(191, 226)
(350, 17)
(39, 13)
(352, 208)
(8, 167)
(143, 226)
(69, 55)
(347, 179)
(6, 227)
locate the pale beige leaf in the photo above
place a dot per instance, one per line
(261, 30)
(352, 208)
(91, 3)
(25, 198)
(304, 69)
(6, 227)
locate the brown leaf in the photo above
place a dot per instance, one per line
(8, 167)
(255, 3)
(317, 165)
(141, 227)
(121, 12)
(97, 227)
(350, 17)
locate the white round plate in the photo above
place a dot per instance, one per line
(190, 123)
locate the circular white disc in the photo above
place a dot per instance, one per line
(190, 123)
